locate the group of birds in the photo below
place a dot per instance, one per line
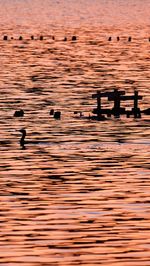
(20, 113)
(55, 114)
(73, 38)
(41, 38)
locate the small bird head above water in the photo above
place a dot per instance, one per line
(23, 131)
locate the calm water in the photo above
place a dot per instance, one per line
(81, 195)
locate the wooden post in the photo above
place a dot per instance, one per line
(136, 110)
(99, 101)
(116, 97)
(116, 103)
(5, 38)
(98, 97)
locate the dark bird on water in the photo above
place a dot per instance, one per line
(19, 113)
(22, 140)
(51, 112)
(56, 115)
(74, 38)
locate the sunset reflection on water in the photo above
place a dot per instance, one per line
(80, 196)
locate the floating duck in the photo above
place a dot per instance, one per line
(19, 113)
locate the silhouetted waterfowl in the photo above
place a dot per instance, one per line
(19, 113)
(129, 39)
(90, 117)
(22, 140)
(5, 38)
(32, 37)
(41, 38)
(51, 112)
(57, 115)
(109, 39)
(74, 38)
(118, 39)
(20, 38)
(53, 37)
(78, 112)
(65, 39)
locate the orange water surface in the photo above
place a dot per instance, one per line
(81, 194)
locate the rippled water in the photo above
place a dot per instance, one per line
(80, 196)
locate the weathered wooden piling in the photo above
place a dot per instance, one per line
(99, 111)
(5, 38)
(98, 96)
(117, 97)
(136, 110)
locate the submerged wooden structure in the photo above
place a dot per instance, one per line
(117, 96)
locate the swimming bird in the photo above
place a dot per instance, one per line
(57, 115)
(22, 140)
(51, 112)
(20, 38)
(79, 112)
(19, 113)
(74, 38)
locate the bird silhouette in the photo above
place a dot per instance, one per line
(22, 140)
(19, 113)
